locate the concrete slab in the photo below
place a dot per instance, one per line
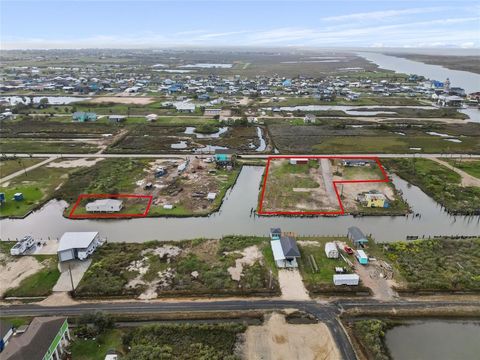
(78, 269)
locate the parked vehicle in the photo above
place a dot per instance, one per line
(21, 246)
(348, 250)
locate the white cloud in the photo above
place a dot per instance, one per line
(380, 15)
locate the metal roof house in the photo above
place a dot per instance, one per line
(285, 252)
(77, 245)
(105, 205)
(45, 339)
(356, 236)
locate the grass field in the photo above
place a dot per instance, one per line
(11, 166)
(116, 269)
(439, 264)
(38, 146)
(37, 187)
(439, 182)
(40, 283)
(471, 167)
(96, 349)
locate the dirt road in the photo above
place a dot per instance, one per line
(328, 180)
(291, 284)
(276, 339)
(467, 179)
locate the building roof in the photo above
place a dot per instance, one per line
(361, 253)
(277, 250)
(76, 240)
(34, 343)
(346, 277)
(356, 233)
(289, 246)
(106, 202)
(225, 151)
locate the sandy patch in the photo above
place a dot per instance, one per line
(308, 243)
(291, 284)
(123, 100)
(250, 255)
(58, 299)
(74, 163)
(17, 269)
(276, 339)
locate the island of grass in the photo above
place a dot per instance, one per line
(230, 266)
(450, 265)
(175, 192)
(440, 183)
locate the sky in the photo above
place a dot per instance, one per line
(154, 24)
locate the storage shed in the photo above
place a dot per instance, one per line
(346, 279)
(105, 205)
(298, 161)
(356, 236)
(331, 250)
(77, 245)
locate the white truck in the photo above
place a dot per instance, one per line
(21, 246)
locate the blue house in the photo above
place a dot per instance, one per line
(287, 83)
(82, 116)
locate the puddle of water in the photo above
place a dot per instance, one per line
(453, 140)
(437, 134)
(179, 145)
(263, 144)
(191, 130)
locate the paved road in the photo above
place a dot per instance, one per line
(244, 156)
(325, 312)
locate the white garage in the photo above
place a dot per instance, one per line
(77, 245)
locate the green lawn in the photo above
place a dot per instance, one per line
(96, 349)
(40, 283)
(471, 167)
(30, 146)
(11, 166)
(37, 187)
(326, 266)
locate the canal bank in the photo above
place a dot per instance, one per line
(235, 217)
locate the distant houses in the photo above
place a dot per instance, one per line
(116, 118)
(82, 116)
(184, 107)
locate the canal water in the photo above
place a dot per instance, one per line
(467, 80)
(435, 339)
(234, 217)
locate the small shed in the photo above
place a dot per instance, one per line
(105, 205)
(211, 196)
(331, 250)
(356, 236)
(275, 233)
(362, 257)
(298, 161)
(18, 196)
(116, 118)
(346, 279)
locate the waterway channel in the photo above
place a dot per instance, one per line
(234, 217)
(435, 339)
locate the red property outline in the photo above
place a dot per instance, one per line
(109, 216)
(335, 182)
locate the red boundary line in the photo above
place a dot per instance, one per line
(109, 216)
(335, 182)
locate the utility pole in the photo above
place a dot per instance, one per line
(71, 278)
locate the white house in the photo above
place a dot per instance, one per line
(331, 250)
(105, 205)
(77, 245)
(184, 107)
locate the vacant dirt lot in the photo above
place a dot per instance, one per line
(276, 339)
(301, 187)
(123, 100)
(14, 270)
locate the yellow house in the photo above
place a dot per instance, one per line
(375, 200)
